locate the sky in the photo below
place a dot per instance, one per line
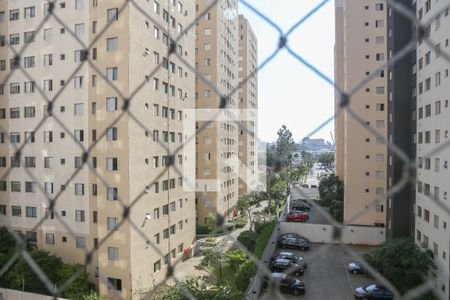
(288, 92)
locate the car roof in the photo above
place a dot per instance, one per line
(286, 253)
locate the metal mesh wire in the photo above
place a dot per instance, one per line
(346, 96)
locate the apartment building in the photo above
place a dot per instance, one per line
(361, 48)
(56, 106)
(217, 143)
(248, 105)
(433, 95)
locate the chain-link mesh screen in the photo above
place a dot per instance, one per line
(87, 59)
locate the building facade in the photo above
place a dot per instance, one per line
(432, 185)
(248, 108)
(361, 48)
(57, 106)
(217, 143)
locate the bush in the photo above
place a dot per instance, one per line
(235, 258)
(244, 274)
(248, 239)
(201, 229)
(266, 232)
(241, 221)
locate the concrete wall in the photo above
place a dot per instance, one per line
(13, 294)
(321, 233)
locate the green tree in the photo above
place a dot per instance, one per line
(331, 191)
(247, 201)
(326, 158)
(308, 159)
(402, 262)
(298, 173)
(284, 146)
(244, 274)
(248, 239)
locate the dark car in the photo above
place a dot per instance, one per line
(314, 186)
(301, 206)
(287, 284)
(291, 235)
(292, 257)
(355, 268)
(293, 243)
(286, 265)
(373, 292)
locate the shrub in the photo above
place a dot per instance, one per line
(248, 239)
(244, 274)
(201, 229)
(266, 232)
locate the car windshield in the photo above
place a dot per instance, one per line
(371, 288)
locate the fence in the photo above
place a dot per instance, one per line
(345, 97)
(6, 294)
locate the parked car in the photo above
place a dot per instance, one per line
(293, 243)
(286, 265)
(373, 292)
(287, 284)
(292, 257)
(291, 235)
(305, 186)
(355, 268)
(300, 206)
(314, 186)
(297, 216)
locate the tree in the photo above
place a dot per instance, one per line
(284, 146)
(247, 201)
(331, 191)
(244, 274)
(248, 239)
(308, 159)
(326, 158)
(298, 173)
(402, 262)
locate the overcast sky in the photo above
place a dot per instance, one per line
(289, 93)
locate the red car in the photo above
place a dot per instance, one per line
(297, 217)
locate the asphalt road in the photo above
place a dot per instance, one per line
(326, 276)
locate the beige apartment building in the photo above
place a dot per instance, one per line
(432, 115)
(361, 48)
(248, 108)
(217, 142)
(130, 162)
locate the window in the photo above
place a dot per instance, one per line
(380, 157)
(14, 88)
(111, 223)
(79, 189)
(14, 113)
(112, 14)
(111, 134)
(79, 216)
(48, 85)
(172, 229)
(30, 187)
(111, 104)
(14, 14)
(111, 44)
(49, 238)
(31, 211)
(379, 57)
(48, 34)
(16, 211)
(111, 73)
(80, 242)
(28, 37)
(30, 12)
(157, 266)
(48, 187)
(14, 39)
(379, 23)
(79, 4)
(48, 59)
(113, 253)
(30, 162)
(79, 29)
(79, 135)
(166, 233)
(111, 193)
(15, 186)
(111, 164)
(380, 123)
(29, 87)
(426, 215)
(78, 82)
